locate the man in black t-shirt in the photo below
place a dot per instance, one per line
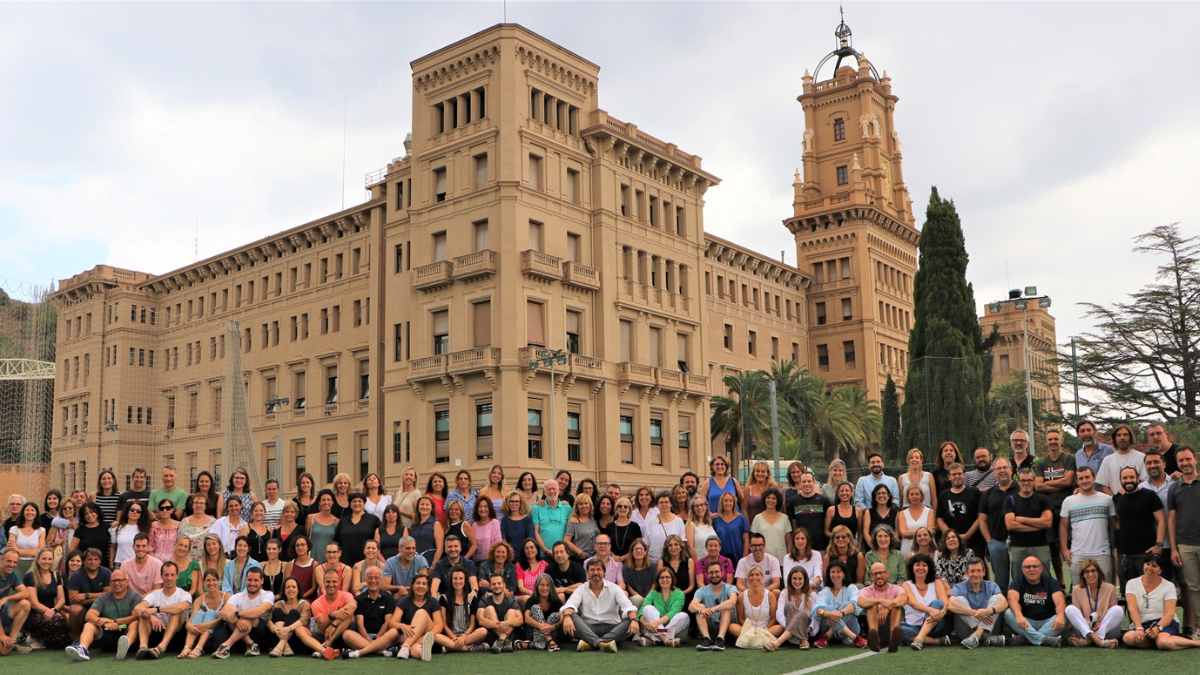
(991, 520)
(499, 613)
(85, 586)
(806, 508)
(1036, 606)
(413, 620)
(440, 575)
(137, 492)
(1027, 517)
(1141, 526)
(370, 633)
(958, 510)
(566, 573)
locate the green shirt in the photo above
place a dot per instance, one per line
(178, 498)
(667, 607)
(112, 608)
(894, 564)
(551, 521)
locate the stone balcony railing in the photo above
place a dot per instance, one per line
(583, 276)
(427, 368)
(433, 275)
(477, 264)
(476, 358)
(586, 366)
(538, 264)
(636, 373)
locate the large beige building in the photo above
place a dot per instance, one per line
(522, 218)
(1012, 318)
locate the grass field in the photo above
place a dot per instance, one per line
(658, 661)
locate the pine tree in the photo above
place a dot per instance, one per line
(890, 438)
(945, 394)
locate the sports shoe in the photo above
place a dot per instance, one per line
(718, 645)
(506, 645)
(971, 641)
(917, 645)
(329, 653)
(403, 653)
(142, 654)
(1019, 641)
(996, 641)
(704, 645)
(498, 646)
(641, 640)
(122, 647)
(946, 641)
(894, 639)
(479, 647)
(1052, 641)
(583, 646)
(609, 646)
(821, 642)
(78, 652)
(860, 642)
(389, 653)
(253, 649)
(427, 646)
(349, 653)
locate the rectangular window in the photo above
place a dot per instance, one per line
(331, 385)
(682, 351)
(535, 172)
(574, 433)
(655, 346)
(536, 236)
(324, 274)
(483, 430)
(656, 440)
(752, 343)
(820, 312)
(571, 187)
(481, 235)
(441, 433)
(574, 247)
(843, 175)
(535, 321)
(844, 264)
(625, 429)
(847, 309)
(626, 205)
(364, 380)
(823, 357)
(639, 201)
(481, 324)
(439, 246)
(398, 258)
(398, 342)
(574, 325)
(357, 310)
(848, 352)
(626, 341)
(481, 171)
(439, 184)
(270, 392)
(680, 222)
(839, 129)
(299, 389)
(685, 440)
(653, 211)
(728, 337)
(441, 331)
(364, 454)
(355, 265)
(397, 443)
(331, 460)
(774, 348)
(534, 415)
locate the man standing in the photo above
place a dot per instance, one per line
(273, 503)
(991, 520)
(599, 613)
(1109, 477)
(110, 623)
(162, 611)
(1054, 473)
(499, 614)
(1160, 441)
(332, 612)
(550, 519)
(882, 601)
(713, 606)
(137, 491)
(806, 509)
(1091, 452)
(867, 483)
(246, 614)
(170, 492)
(983, 476)
(1018, 440)
(85, 586)
(690, 481)
(400, 569)
(1136, 508)
(144, 570)
(14, 603)
(1183, 528)
(371, 632)
(976, 603)
(1027, 517)
(1036, 606)
(758, 557)
(440, 578)
(1085, 522)
(958, 510)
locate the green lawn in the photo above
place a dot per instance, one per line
(659, 661)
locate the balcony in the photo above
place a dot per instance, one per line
(670, 379)
(635, 373)
(472, 265)
(539, 265)
(428, 368)
(583, 276)
(433, 276)
(587, 367)
(696, 382)
(475, 359)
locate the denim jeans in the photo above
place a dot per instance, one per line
(908, 631)
(849, 621)
(998, 556)
(1037, 632)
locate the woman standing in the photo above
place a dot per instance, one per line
(644, 509)
(836, 476)
(436, 490)
(47, 623)
(164, 530)
(239, 487)
(882, 552)
(274, 570)
(107, 498)
(802, 555)
(719, 483)
(494, 490)
(794, 608)
(917, 476)
(322, 525)
(843, 512)
(92, 533)
(913, 518)
(341, 494)
(665, 525)
(407, 496)
(638, 573)
(622, 530)
(587, 486)
(195, 525)
(428, 532)
(485, 530)
(390, 531)
(306, 497)
(732, 528)
(213, 557)
(580, 535)
(699, 526)
(462, 493)
(773, 523)
(605, 511)
(947, 454)
(456, 523)
(755, 627)
(377, 501)
(355, 529)
(207, 486)
(676, 559)
(303, 567)
(517, 526)
(843, 549)
(527, 486)
(230, 526)
(756, 488)
(923, 542)
(131, 521)
(289, 528)
(881, 512)
(661, 615)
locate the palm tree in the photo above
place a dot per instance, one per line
(741, 413)
(837, 420)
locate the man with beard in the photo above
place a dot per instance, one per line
(1018, 440)
(806, 509)
(1055, 478)
(1108, 478)
(958, 510)
(983, 476)
(599, 613)
(1091, 452)
(1160, 442)
(866, 485)
(991, 520)
(1136, 509)
(690, 481)
(1183, 528)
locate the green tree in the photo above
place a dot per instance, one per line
(743, 414)
(890, 438)
(946, 385)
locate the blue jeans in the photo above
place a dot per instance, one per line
(850, 622)
(909, 632)
(1037, 631)
(998, 556)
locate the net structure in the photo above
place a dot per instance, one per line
(27, 386)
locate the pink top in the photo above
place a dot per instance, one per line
(162, 541)
(529, 576)
(486, 536)
(143, 579)
(889, 592)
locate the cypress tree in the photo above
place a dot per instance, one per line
(890, 438)
(945, 394)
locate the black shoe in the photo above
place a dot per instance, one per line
(873, 640)
(705, 645)
(718, 645)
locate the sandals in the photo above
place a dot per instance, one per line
(521, 645)
(552, 646)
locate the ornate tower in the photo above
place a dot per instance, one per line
(853, 224)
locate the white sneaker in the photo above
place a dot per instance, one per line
(427, 646)
(122, 647)
(403, 653)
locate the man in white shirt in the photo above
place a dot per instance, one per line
(758, 556)
(273, 503)
(599, 613)
(162, 611)
(247, 614)
(1108, 478)
(1086, 520)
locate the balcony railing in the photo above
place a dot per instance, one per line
(586, 366)
(473, 359)
(427, 368)
(538, 264)
(578, 274)
(477, 264)
(636, 373)
(433, 275)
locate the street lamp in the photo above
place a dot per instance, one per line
(547, 358)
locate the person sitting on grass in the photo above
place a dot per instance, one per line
(793, 610)
(459, 630)
(290, 615)
(417, 620)
(543, 612)
(206, 616)
(372, 608)
(246, 616)
(925, 616)
(110, 624)
(662, 616)
(836, 608)
(1094, 612)
(882, 602)
(500, 614)
(599, 613)
(162, 611)
(713, 606)
(333, 612)
(976, 603)
(1151, 601)
(755, 626)
(1036, 606)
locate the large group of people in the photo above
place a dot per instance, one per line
(1098, 547)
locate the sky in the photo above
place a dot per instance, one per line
(148, 135)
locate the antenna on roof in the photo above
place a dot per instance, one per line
(344, 133)
(505, 11)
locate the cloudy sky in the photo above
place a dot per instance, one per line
(1059, 130)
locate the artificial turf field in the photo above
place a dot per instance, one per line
(658, 661)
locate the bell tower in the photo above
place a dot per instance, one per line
(853, 224)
